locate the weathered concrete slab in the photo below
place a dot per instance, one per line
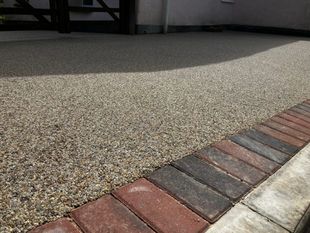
(285, 196)
(197, 196)
(260, 148)
(212, 176)
(271, 141)
(241, 219)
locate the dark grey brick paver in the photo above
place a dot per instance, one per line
(300, 111)
(260, 148)
(304, 107)
(287, 130)
(271, 141)
(212, 176)
(197, 196)
(232, 165)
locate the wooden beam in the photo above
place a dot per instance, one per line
(127, 16)
(53, 7)
(91, 9)
(23, 11)
(108, 10)
(38, 16)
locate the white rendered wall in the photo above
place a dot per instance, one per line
(184, 12)
(294, 14)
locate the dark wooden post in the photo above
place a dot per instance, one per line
(53, 8)
(127, 16)
(63, 16)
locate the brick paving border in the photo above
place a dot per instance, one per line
(192, 193)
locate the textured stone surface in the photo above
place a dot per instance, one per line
(246, 155)
(241, 219)
(281, 136)
(59, 226)
(82, 116)
(158, 209)
(298, 115)
(260, 148)
(194, 194)
(287, 130)
(232, 165)
(212, 176)
(295, 120)
(285, 196)
(291, 125)
(108, 215)
(272, 142)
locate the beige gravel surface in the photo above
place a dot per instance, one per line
(82, 115)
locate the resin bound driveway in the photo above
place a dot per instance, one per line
(83, 114)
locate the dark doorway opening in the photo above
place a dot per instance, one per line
(63, 16)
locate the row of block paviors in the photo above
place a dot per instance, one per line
(193, 192)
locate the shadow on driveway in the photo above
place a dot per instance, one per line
(120, 53)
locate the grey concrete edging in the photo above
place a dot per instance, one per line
(304, 223)
(280, 204)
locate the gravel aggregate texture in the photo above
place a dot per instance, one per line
(82, 115)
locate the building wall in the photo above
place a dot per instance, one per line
(293, 14)
(184, 12)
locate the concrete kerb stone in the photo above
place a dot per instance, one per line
(285, 197)
(241, 219)
(304, 223)
(280, 205)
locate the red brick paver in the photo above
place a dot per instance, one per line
(287, 130)
(232, 165)
(158, 209)
(298, 115)
(281, 136)
(63, 225)
(301, 111)
(295, 120)
(248, 156)
(291, 125)
(108, 215)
